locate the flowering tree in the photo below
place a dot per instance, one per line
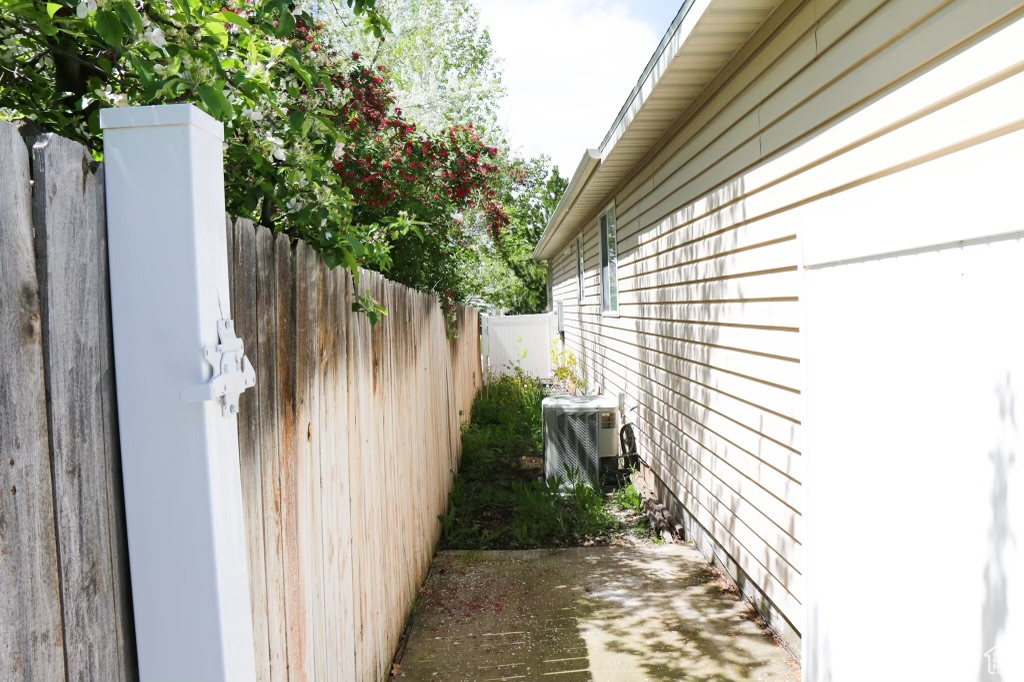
(316, 145)
(442, 63)
(255, 65)
(391, 168)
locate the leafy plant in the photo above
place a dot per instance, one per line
(628, 497)
(501, 496)
(447, 519)
(565, 368)
(264, 68)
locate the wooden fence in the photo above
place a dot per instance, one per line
(65, 610)
(347, 443)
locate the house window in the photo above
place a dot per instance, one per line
(609, 263)
(579, 268)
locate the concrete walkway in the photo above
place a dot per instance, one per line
(607, 614)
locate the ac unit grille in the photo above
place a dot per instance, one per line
(577, 443)
(578, 438)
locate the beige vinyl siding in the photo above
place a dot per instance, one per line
(828, 96)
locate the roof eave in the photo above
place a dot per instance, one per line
(546, 246)
(625, 145)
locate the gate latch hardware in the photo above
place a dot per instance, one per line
(232, 371)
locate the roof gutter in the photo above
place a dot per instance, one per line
(625, 144)
(587, 165)
(592, 158)
(655, 58)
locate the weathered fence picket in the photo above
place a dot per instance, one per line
(244, 308)
(68, 208)
(348, 443)
(31, 633)
(65, 609)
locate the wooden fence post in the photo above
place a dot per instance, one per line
(170, 301)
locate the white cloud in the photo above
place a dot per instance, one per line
(568, 67)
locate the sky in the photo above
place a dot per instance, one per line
(568, 66)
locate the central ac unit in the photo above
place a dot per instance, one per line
(580, 432)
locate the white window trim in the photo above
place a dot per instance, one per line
(611, 311)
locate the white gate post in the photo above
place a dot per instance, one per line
(169, 303)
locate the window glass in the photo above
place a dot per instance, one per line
(609, 263)
(579, 268)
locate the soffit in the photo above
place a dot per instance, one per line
(701, 40)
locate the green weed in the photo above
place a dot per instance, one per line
(499, 498)
(627, 497)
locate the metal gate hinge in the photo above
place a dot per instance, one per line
(232, 371)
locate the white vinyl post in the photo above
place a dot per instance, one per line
(179, 371)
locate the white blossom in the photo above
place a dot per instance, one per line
(155, 37)
(85, 8)
(293, 205)
(254, 115)
(277, 149)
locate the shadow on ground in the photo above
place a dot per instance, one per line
(605, 614)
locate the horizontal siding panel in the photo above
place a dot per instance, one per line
(985, 106)
(717, 236)
(847, 234)
(981, 65)
(775, 504)
(748, 289)
(761, 418)
(781, 315)
(751, 559)
(769, 342)
(681, 268)
(789, 50)
(848, 38)
(763, 512)
(718, 516)
(769, 432)
(706, 355)
(898, 60)
(721, 438)
(993, 109)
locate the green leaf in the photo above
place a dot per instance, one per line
(47, 28)
(291, 61)
(108, 25)
(130, 16)
(216, 102)
(233, 18)
(144, 69)
(94, 122)
(52, 8)
(216, 30)
(285, 24)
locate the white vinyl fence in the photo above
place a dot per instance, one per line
(519, 341)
